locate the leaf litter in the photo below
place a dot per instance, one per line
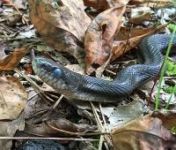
(79, 39)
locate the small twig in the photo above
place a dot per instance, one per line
(75, 133)
(111, 72)
(38, 89)
(150, 94)
(104, 120)
(100, 126)
(105, 126)
(39, 112)
(46, 138)
(57, 102)
(35, 86)
(98, 121)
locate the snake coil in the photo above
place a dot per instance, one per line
(86, 88)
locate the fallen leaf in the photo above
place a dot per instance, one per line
(147, 124)
(127, 39)
(130, 140)
(143, 133)
(7, 1)
(99, 5)
(152, 3)
(120, 115)
(10, 61)
(58, 127)
(12, 98)
(67, 125)
(61, 24)
(168, 118)
(99, 36)
(13, 19)
(8, 129)
(104, 4)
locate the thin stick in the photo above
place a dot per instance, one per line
(58, 101)
(100, 126)
(46, 138)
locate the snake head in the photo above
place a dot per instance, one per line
(44, 67)
(51, 73)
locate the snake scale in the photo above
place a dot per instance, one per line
(86, 88)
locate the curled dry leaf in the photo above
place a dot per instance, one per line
(66, 125)
(127, 39)
(58, 127)
(99, 36)
(61, 24)
(143, 133)
(11, 61)
(12, 98)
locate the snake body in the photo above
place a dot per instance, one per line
(82, 87)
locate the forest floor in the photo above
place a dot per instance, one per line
(89, 37)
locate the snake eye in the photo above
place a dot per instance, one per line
(56, 72)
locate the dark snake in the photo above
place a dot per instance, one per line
(81, 87)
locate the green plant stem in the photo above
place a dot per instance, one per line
(157, 101)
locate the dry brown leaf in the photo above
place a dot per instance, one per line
(152, 3)
(128, 39)
(143, 133)
(8, 129)
(137, 140)
(104, 4)
(99, 5)
(6, 1)
(168, 119)
(61, 24)
(99, 36)
(12, 98)
(58, 127)
(12, 60)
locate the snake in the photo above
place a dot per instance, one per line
(87, 88)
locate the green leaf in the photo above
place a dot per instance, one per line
(170, 89)
(171, 26)
(171, 68)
